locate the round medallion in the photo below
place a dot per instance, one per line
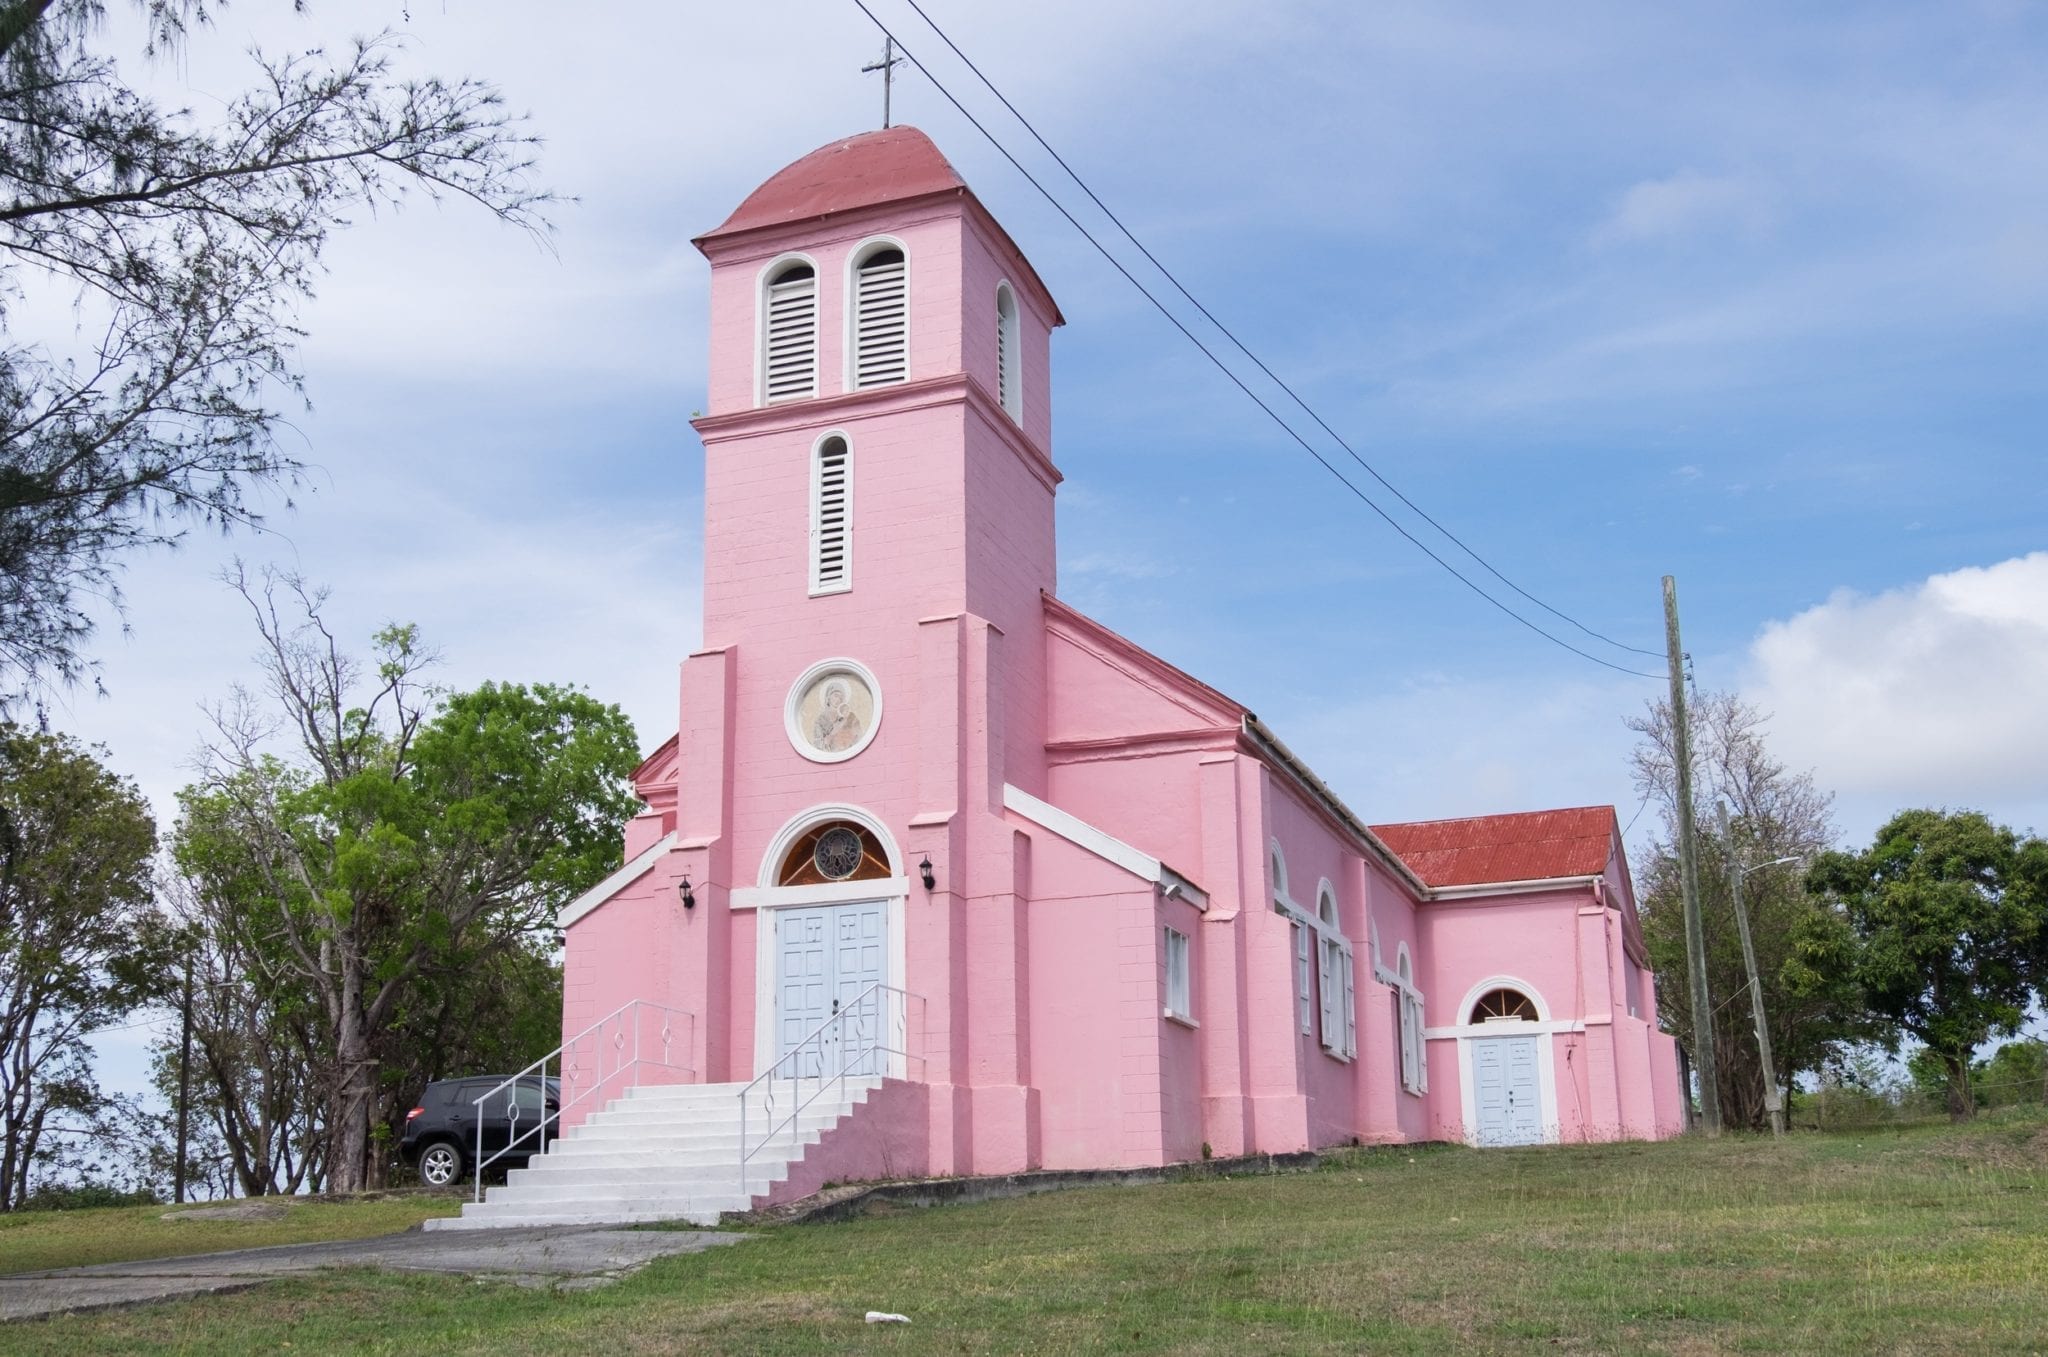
(833, 711)
(837, 855)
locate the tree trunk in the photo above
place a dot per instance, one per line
(355, 1094)
(1961, 1105)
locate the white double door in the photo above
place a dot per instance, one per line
(827, 959)
(1507, 1091)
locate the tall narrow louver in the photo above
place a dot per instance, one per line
(881, 320)
(831, 517)
(791, 326)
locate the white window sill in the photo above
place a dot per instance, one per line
(1181, 1018)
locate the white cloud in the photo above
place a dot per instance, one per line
(1934, 694)
(1681, 204)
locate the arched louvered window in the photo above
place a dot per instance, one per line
(789, 333)
(1008, 351)
(1336, 981)
(831, 516)
(880, 339)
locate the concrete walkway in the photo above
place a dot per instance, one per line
(560, 1257)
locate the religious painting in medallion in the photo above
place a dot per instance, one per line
(833, 711)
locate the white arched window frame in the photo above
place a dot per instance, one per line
(786, 316)
(1337, 983)
(877, 314)
(831, 545)
(1303, 965)
(1414, 1069)
(1009, 354)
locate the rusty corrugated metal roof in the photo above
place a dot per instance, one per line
(1531, 846)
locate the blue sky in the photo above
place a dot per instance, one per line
(1753, 296)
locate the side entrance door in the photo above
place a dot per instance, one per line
(1506, 1092)
(825, 960)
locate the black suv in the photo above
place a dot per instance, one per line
(440, 1135)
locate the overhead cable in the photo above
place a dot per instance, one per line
(1226, 369)
(1242, 348)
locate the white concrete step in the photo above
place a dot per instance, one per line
(669, 1153)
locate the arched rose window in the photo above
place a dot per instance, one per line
(834, 851)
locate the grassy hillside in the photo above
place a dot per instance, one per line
(1926, 1240)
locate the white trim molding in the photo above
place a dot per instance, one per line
(823, 893)
(1105, 846)
(1527, 887)
(588, 902)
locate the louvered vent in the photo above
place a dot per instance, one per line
(792, 366)
(832, 518)
(881, 326)
(1003, 358)
(1007, 394)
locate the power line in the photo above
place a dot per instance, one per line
(1225, 368)
(1242, 348)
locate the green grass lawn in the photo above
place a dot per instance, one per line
(1926, 1240)
(31, 1241)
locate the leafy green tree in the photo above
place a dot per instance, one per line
(406, 836)
(185, 246)
(1940, 934)
(77, 945)
(1775, 813)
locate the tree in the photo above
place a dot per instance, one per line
(406, 838)
(76, 942)
(2014, 1073)
(1774, 812)
(255, 1092)
(185, 248)
(1940, 934)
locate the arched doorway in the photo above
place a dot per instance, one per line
(1504, 1046)
(829, 932)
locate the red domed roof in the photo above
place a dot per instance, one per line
(874, 167)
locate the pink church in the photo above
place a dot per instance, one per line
(940, 877)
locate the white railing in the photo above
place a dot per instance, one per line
(866, 1037)
(634, 1040)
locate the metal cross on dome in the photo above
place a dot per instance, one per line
(887, 66)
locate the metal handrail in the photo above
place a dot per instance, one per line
(888, 1037)
(568, 1060)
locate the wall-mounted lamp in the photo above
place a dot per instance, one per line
(924, 870)
(689, 899)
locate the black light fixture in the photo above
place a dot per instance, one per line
(689, 900)
(924, 869)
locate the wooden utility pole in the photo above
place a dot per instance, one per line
(1774, 1098)
(184, 1079)
(1689, 873)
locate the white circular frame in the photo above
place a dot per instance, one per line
(796, 697)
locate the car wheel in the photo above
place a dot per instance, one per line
(440, 1164)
